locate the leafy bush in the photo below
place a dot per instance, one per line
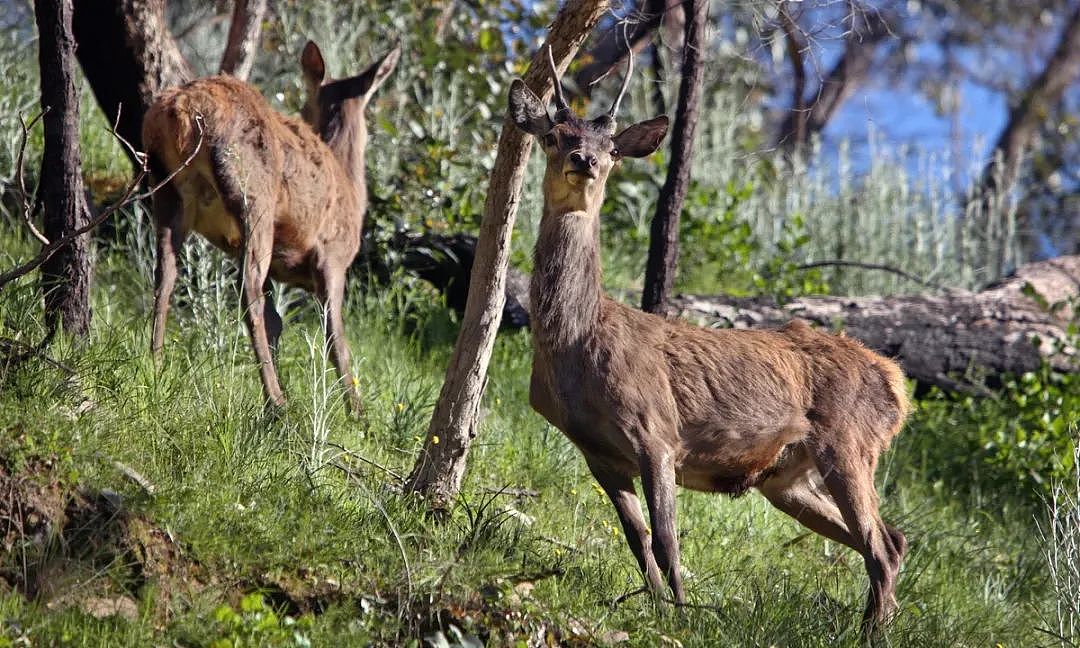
(257, 624)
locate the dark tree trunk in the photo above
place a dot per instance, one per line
(950, 341)
(65, 277)
(243, 41)
(128, 56)
(440, 468)
(1061, 69)
(806, 118)
(664, 233)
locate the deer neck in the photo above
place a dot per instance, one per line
(565, 291)
(346, 135)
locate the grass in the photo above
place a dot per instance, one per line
(272, 503)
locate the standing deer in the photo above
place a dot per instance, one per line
(285, 198)
(798, 414)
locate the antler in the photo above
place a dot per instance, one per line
(626, 82)
(560, 99)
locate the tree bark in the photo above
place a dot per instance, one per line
(128, 56)
(243, 39)
(664, 231)
(943, 340)
(65, 277)
(862, 41)
(1061, 69)
(440, 468)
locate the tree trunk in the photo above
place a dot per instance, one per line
(664, 234)
(945, 340)
(862, 41)
(128, 56)
(243, 40)
(1061, 69)
(65, 277)
(440, 467)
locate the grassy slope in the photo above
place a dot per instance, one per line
(257, 499)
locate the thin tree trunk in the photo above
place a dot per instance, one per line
(440, 468)
(243, 41)
(1061, 69)
(65, 277)
(664, 233)
(128, 56)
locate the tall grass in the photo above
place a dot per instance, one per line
(1061, 542)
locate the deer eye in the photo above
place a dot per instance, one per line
(615, 153)
(550, 140)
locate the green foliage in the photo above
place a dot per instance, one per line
(255, 623)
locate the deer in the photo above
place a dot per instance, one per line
(800, 415)
(284, 197)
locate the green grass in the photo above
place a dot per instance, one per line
(258, 499)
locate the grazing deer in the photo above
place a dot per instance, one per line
(798, 414)
(285, 198)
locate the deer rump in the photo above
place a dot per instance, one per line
(732, 406)
(250, 152)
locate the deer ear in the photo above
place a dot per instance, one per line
(311, 62)
(373, 77)
(527, 111)
(641, 139)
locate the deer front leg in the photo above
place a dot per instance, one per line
(620, 489)
(332, 294)
(658, 482)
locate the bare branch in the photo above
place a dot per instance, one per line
(20, 181)
(128, 198)
(841, 263)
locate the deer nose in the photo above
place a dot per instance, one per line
(583, 161)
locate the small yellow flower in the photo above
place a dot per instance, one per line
(435, 439)
(400, 407)
(355, 381)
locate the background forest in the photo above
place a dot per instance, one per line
(916, 161)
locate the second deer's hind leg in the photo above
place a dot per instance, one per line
(331, 292)
(850, 480)
(255, 266)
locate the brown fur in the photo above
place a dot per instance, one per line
(799, 414)
(283, 199)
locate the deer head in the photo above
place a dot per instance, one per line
(335, 107)
(581, 152)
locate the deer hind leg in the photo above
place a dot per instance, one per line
(255, 267)
(272, 319)
(798, 490)
(658, 482)
(331, 292)
(850, 480)
(171, 231)
(620, 489)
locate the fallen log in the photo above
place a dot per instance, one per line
(957, 341)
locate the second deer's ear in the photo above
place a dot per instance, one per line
(527, 111)
(311, 62)
(641, 139)
(373, 77)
